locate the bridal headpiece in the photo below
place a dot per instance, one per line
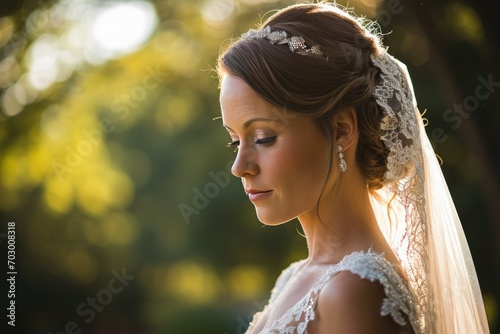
(296, 44)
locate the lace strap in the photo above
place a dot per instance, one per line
(367, 265)
(375, 268)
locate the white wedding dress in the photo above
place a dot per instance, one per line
(398, 302)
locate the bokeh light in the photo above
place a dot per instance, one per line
(121, 28)
(107, 126)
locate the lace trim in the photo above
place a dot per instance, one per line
(283, 278)
(371, 266)
(405, 176)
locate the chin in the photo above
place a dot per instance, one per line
(271, 219)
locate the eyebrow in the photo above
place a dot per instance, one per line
(250, 121)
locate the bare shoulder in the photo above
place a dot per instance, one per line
(351, 304)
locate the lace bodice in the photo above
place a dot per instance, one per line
(397, 303)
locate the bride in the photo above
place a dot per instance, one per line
(327, 131)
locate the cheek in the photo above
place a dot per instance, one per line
(296, 170)
(312, 165)
(302, 165)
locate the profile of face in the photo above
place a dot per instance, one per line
(282, 157)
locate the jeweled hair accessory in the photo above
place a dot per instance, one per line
(296, 44)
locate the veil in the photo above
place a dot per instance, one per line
(423, 226)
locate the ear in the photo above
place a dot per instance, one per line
(345, 126)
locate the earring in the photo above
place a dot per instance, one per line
(342, 163)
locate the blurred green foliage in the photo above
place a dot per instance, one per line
(114, 163)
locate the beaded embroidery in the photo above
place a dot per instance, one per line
(372, 266)
(296, 44)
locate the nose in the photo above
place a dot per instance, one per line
(245, 162)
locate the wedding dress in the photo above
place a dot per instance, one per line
(398, 302)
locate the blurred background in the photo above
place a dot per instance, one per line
(117, 178)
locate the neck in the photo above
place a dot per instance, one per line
(343, 222)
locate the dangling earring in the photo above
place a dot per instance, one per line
(342, 163)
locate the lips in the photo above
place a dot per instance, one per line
(255, 195)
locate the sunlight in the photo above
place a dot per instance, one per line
(123, 27)
(246, 281)
(192, 282)
(78, 32)
(218, 12)
(42, 61)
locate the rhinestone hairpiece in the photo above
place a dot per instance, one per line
(296, 44)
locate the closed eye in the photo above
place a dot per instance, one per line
(267, 140)
(261, 141)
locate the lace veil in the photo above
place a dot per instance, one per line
(424, 228)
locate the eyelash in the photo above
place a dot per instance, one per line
(262, 141)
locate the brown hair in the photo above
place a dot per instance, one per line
(316, 86)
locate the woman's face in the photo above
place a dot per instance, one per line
(282, 157)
